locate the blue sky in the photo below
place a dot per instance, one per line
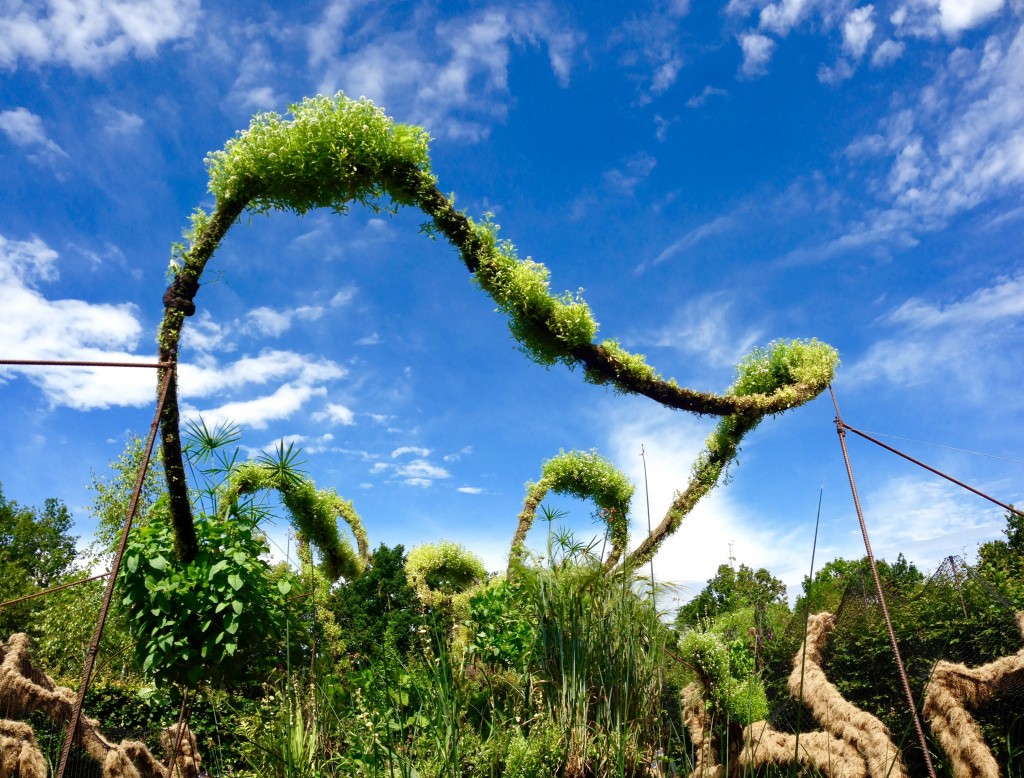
(713, 176)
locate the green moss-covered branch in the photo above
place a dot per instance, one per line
(586, 476)
(771, 371)
(332, 152)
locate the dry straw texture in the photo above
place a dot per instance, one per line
(698, 724)
(20, 757)
(865, 733)
(24, 689)
(952, 689)
(819, 751)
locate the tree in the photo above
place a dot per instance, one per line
(826, 591)
(731, 590)
(379, 608)
(36, 552)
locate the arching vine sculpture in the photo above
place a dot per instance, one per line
(314, 512)
(333, 152)
(25, 689)
(583, 475)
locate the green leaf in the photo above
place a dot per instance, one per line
(235, 581)
(216, 569)
(284, 586)
(158, 563)
(236, 606)
(132, 564)
(240, 557)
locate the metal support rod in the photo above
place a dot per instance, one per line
(79, 363)
(52, 589)
(929, 468)
(183, 717)
(108, 594)
(912, 706)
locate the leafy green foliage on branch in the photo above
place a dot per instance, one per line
(206, 619)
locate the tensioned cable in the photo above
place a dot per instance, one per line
(949, 448)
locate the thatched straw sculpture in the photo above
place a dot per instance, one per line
(698, 724)
(952, 689)
(819, 751)
(865, 733)
(25, 689)
(20, 756)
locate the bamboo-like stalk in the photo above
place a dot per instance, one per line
(952, 689)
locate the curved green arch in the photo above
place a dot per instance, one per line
(314, 512)
(586, 475)
(333, 152)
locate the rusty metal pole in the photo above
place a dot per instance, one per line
(912, 706)
(108, 594)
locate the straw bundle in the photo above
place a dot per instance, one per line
(952, 689)
(698, 724)
(819, 751)
(25, 689)
(865, 733)
(20, 756)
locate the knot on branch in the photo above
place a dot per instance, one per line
(180, 295)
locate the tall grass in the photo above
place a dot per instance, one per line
(597, 660)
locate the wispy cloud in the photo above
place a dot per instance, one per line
(335, 413)
(257, 413)
(757, 53)
(960, 145)
(965, 341)
(706, 94)
(417, 472)
(708, 327)
(25, 130)
(696, 236)
(455, 82)
(620, 181)
(92, 35)
(273, 322)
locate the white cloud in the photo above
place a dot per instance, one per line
(268, 366)
(692, 555)
(403, 450)
(25, 130)
(464, 451)
(960, 15)
(470, 490)
(781, 17)
(454, 81)
(625, 179)
(335, 413)
(961, 145)
(416, 472)
(273, 323)
(888, 51)
(925, 519)
(284, 402)
(707, 93)
(343, 297)
(117, 122)
(92, 34)
(689, 240)
(857, 31)
(34, 327)
(373, 339)
(757, 53)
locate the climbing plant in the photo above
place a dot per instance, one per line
(334, 151)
